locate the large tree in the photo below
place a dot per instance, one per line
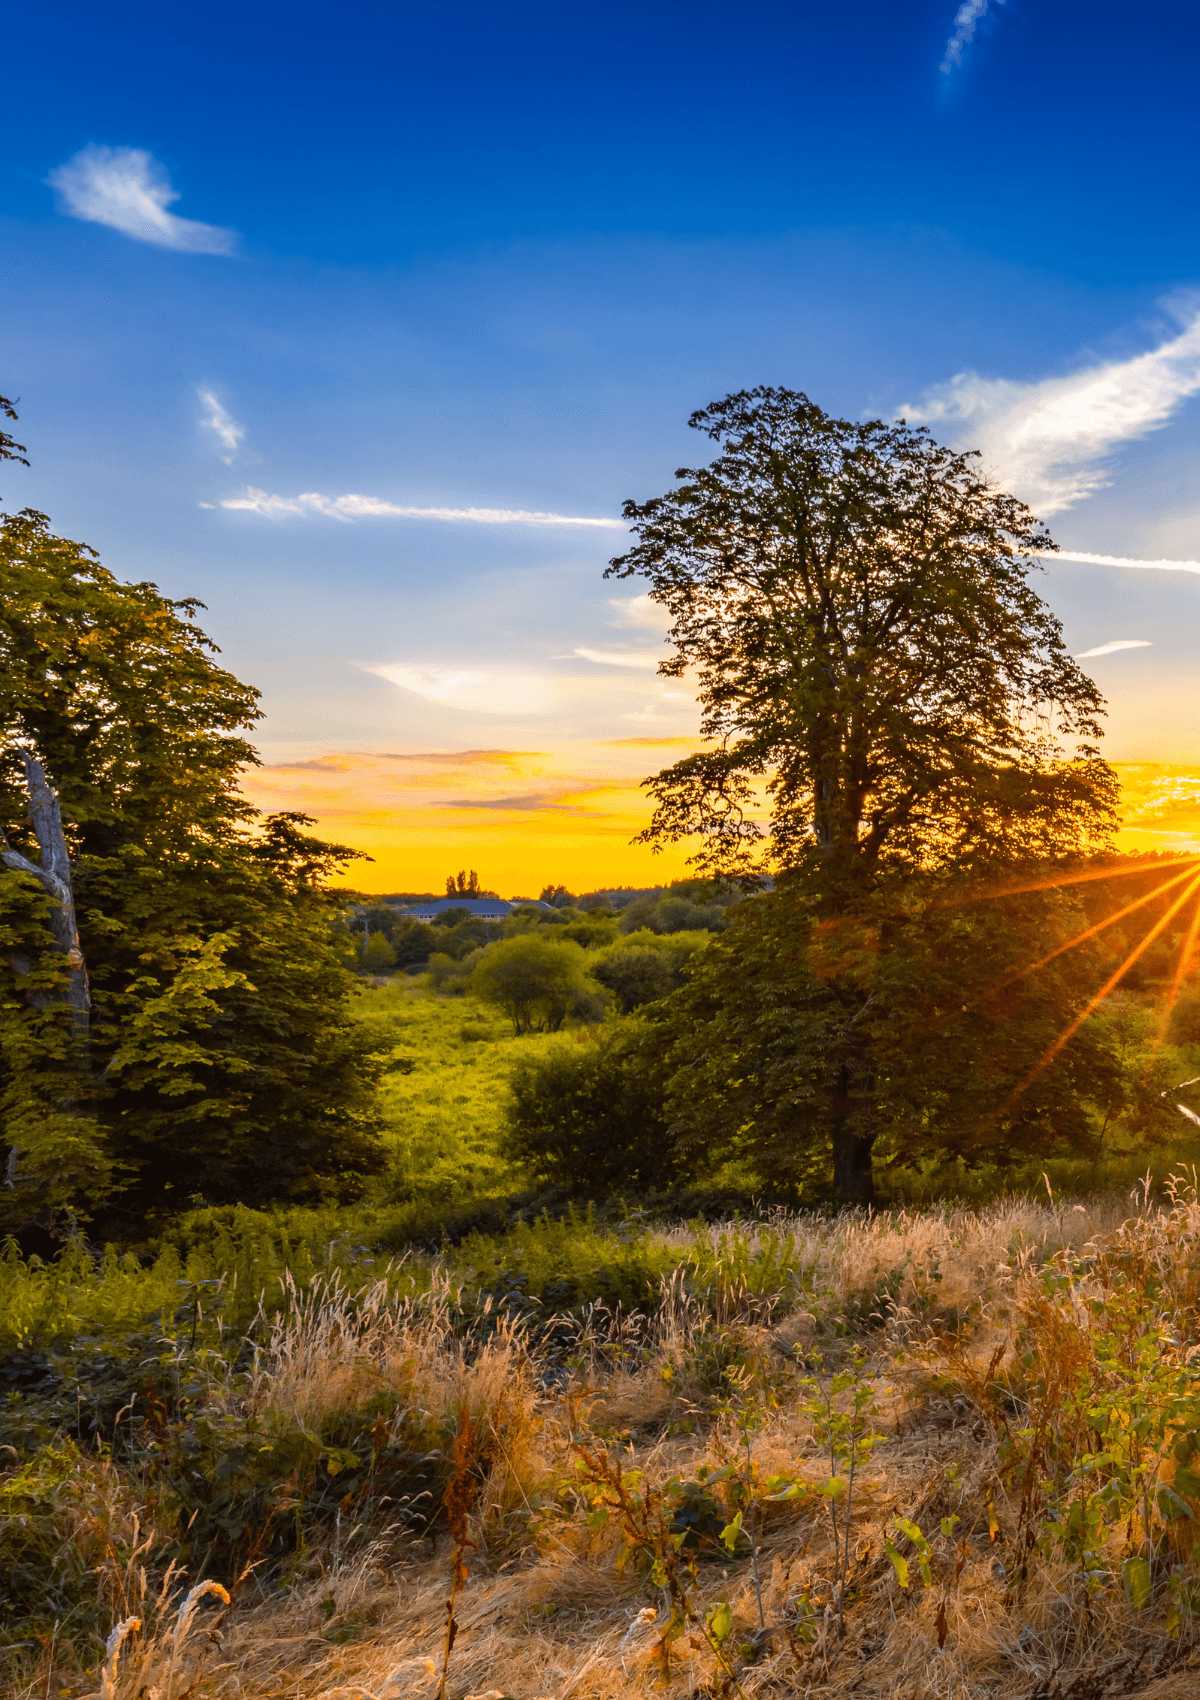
(853, 602)
(885, 699)
(222, 1061)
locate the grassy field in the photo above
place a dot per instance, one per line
(443, 1104)
(942, 1453)
(949, 1451)
(443, 1094)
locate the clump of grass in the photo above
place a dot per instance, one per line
(352, 1400)
(162, 1665)
(73, 1532)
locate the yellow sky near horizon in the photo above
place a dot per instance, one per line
(523, 819)
(530, 818)
(1160, 805)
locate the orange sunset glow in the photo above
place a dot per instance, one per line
(523, 818)
(528, 818)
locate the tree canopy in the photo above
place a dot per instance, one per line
(888, 707)
(223, 1061)
(589, 1117)
(900, 1036)
(854, 605)
(10, 449)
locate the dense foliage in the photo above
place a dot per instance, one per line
(919, 1031)
(589, 1117)
(223, 1061)
(535, 979)
(645, 966)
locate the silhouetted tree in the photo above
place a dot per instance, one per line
(876, 675)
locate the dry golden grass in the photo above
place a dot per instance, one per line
(547, 1612)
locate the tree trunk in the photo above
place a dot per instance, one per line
(852, 1173)
(54, 875)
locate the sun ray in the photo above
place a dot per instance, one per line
(1186, 952)
(1066, 879)
(1097, 927)
(1094, 1003)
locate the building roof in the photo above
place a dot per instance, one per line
(481, 908)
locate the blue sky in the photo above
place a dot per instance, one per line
(475, 258)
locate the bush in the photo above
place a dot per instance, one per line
(378, 956)
(673, 912)
(449, 975)
(412, 941)
(644, 967)
(536, 981)
(590, 1117)
(468, 933)
(566, 1264)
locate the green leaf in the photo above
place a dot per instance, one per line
(1187, 1482)
(719, 1621)
(1135, 1573)
(909, 1529)
(598, 1519)
(899, 1565)
(730, 1533)
(1170, 1504)
(794, 1488)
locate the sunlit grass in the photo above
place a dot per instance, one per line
(443, 1096)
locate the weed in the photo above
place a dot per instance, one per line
(645, 1517)
(842, 1411)
(457, 1502)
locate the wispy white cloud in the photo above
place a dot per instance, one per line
(640, 611)
(621, 657)
(1112, 648)
(370, 507)
(223, 423)
(128, 189)
(1090, 560)
(530, 687)
(487, 690)
(965, 20)
(1049, 441)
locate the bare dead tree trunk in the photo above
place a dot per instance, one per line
(54, 875)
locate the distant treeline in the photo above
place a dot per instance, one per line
(381, 938)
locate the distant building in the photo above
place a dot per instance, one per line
(479, 908)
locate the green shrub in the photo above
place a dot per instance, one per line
(642, 967)
(674, 912)
(566, 1264)
(451, 976)
(377, 956)
(412, 941)
(536, 981)
(261, 1486)
(589, 1117)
